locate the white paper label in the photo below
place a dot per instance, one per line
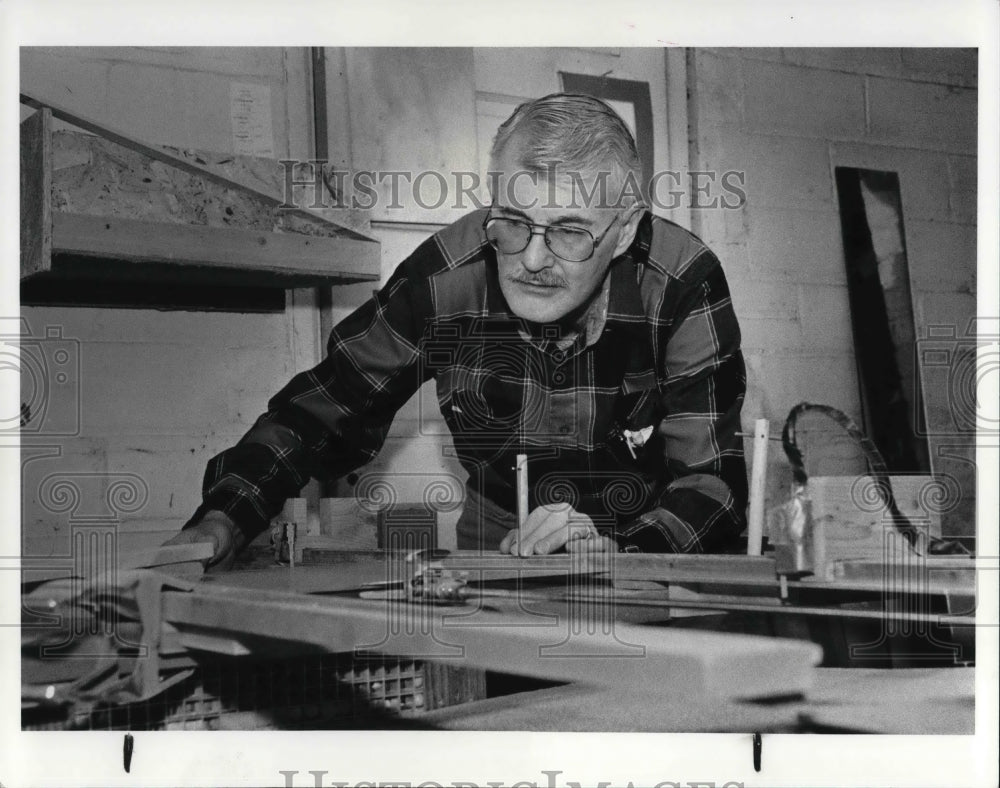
(250, 106)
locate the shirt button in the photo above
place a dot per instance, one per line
(559, 355)
(565, 429)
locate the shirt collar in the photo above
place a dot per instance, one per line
(625, 307)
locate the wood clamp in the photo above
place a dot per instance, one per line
(428, 581)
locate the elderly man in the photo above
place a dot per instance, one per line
(566, 323)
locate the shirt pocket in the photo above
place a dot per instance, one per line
(633, 438)
(638, 408)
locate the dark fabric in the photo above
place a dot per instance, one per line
(668, 358)
(483, 524)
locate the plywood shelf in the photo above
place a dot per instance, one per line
(99, 206)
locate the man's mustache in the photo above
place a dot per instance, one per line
(541, 281)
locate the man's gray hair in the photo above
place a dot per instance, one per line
(573, 133)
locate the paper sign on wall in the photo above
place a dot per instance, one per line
(250, 107)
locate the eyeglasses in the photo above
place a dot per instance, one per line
(512, 236)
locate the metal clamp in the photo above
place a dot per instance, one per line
(429, 582)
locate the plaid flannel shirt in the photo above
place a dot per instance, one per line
(667, 364)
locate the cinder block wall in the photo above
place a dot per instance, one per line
(175, 96)
(159, 392)
(787, 118)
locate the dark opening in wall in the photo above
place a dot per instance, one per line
(878, 280)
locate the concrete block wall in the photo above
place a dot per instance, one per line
(177, 96)
(787, 118)
(160, 392)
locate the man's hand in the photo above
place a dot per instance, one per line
(216, 529)
(553, 526)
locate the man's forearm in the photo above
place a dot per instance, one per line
(250, 482)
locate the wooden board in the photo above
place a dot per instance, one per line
(909, 701)
(36, 184)
(658, 662)
(302, 257)
(857, 525)
(187, 556)
(587, 708)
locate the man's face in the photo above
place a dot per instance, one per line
(537, 284)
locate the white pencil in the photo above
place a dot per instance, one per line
(522, 490)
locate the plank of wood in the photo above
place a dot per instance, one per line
(889, 701)
(284, 254)
(165, 156)
(740, 575)
(656, 661)
(661, 567)
(911, 701)
(36, 185)
(183, 557)
(209, 641)
(166, 554)
(576, 707)
(854, 522)
(353, 571)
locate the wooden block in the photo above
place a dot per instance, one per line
(350, 524)
(854, 520)
(295, 510)
(407, 527)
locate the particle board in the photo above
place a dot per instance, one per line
(91, 202)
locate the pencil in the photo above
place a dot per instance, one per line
(522, 490)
